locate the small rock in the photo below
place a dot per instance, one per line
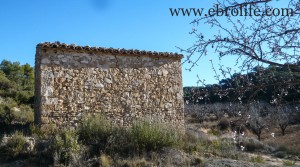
(45, 61)
(60, 56)
(165, 72)
(65, 60)
(99, 85)
(107, 80)
(168, 105)
(84, 62)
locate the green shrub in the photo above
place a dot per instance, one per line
(189, 137)
(10, 113)
(280, 154)
(188, 142)
(289, 150)
(132, 163)
(24, 115)
(105, 160)
(120, 142)
(142, 135)
(95, 130)
(257, 159)
(45, 132)
(153, 136)
(214, 132)
(203, 146)
(5, 83)
(6, 115)
(220, 147)
(288, 163)
(223, 148)
(16, 145)
(252, 144)
(66, 146)
(10, 102)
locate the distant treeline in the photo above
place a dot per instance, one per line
(17, 82)
(277, 85)
(16, 94)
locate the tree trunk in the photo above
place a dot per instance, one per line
(283, 127)
(258, 134)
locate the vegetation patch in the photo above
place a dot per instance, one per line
(288, 163)
(257, 159)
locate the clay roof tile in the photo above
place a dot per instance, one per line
(58, 45)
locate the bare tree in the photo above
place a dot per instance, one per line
(196, 112)
(218, 109)
(282, 117)
(257, 118)
(255, 40)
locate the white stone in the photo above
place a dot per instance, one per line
(60, 56)
(165, 72)
(47, 91)
(84, 62)
(159, 72)
(168, 105)
(107, 80)
(65, 60)
(51, 101)
(45, 61)
(68, 76)
(99, 85)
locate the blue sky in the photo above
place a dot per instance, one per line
(130, 24)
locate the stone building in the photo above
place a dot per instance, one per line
(124, 85)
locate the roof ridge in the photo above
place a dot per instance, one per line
(58, 45)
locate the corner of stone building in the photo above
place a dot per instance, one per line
(37, 87)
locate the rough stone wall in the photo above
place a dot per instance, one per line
(71, 83)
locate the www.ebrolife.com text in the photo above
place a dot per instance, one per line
(247, 10)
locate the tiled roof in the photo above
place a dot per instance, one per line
(58, 45)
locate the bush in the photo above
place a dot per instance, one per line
(135, 162)
(47, 131)
(120, 142)
(288, 163)
(95, 130)
(15, 145)
(10, 102)
(189, 142)
(220, 147)
(257, 159)
(214, 132)
(24, 115)
(66, 147)
(252, 144)
(105, 160)
(223, 148)
(153, 136)
(280, 154)
(6, 115)
(10, 113)
(224, 124)
(288, 150)
(143, 135)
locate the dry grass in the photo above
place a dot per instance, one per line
(289, 142)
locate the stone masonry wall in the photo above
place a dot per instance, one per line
(124, 85)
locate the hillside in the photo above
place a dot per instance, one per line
(16, 95)
(219, 130)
